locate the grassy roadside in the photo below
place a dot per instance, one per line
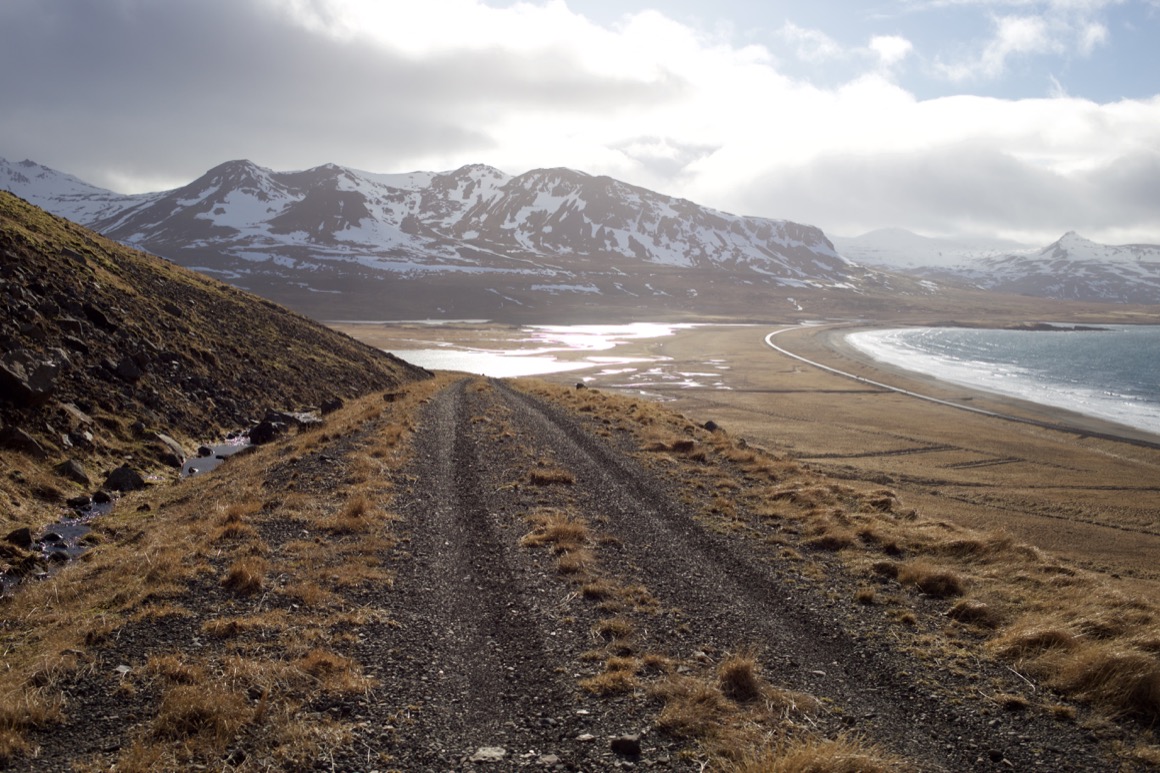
(1085, 646)
(217, 618)
(213, 618)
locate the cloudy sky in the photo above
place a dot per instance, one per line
(1015, 118)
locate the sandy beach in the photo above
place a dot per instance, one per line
(1071, 484)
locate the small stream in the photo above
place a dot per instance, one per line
(68, 538)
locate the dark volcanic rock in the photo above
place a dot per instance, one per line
(127, 369)
(74, 471)
(173, 455)
(626, 745)
(21, 538)
(18, 440)
(26, 380)
(266, 431)
(124, 478)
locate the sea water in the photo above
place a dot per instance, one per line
(1112, 373)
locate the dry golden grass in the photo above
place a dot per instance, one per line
(549, 476)
(569, 539)
(246, 576)
(141, 573)
(738, 678)
(334, 673)
(204, 718)
(931, 579)
(815, 755)
(618, 677)
(176, 669)
(22, 711)
(1087, 635)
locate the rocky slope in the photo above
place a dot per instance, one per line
(109, 355)
(338, 242)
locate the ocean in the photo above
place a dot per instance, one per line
(1112, 373)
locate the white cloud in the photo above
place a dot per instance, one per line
(1054, 27)
(1092, 35)
(810, 45)
(385, 87)
(890, 49)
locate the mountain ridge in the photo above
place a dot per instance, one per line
(1070, 268)
(472, 242)
(476, 242)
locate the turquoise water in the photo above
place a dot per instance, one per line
(1112, 373)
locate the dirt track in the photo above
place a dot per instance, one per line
(466, 639)
(491, 639)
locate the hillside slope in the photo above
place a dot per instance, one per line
(102, 348)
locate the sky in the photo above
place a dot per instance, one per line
(1018, 119)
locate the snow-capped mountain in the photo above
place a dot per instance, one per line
(470, 240)
(1072, 268)
(60, 193)
(475, 217)
(897, 248)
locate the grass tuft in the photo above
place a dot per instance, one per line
(246, 575)
(932, 580)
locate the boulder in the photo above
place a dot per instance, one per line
(26, 380)
(127, 369)
(626, 745)
(18, 440)
(75, 415)
(300, 419)
(74, 471)
(266, 431)
(173, 454)
(124, 478)
(21, 538)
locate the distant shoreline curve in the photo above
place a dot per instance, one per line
(1057, 426)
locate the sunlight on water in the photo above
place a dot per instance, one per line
(540, 359)
(1111, 374)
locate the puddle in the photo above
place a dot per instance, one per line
(211, 456)
(59, 543)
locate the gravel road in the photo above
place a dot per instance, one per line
(491, 639)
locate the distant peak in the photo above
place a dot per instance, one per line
(480, 169)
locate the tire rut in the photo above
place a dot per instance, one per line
(735, 598)
(477, 658)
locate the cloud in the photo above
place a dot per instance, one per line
(1093, 35)
(970, 188)
(810, 45)
(890, 49)
(1055, 27)
(145, 95)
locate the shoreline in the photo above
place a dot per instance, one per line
(1070, 484)
(975, 398)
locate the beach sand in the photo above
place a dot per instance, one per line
(1079, 487)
